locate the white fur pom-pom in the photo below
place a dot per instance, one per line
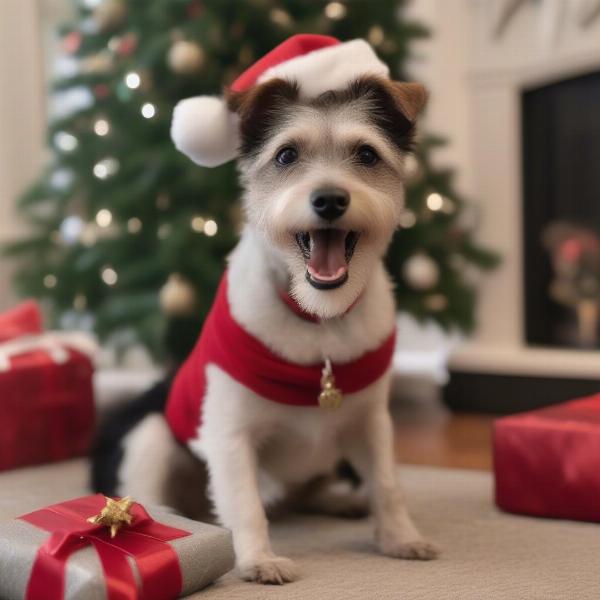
(204, 129)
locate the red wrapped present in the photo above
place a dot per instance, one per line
(46, 398)
(547, 461)
(97, 547)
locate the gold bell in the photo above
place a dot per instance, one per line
(330, 396)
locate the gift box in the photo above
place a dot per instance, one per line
(547, 461)
(46, 398)
(62, 551)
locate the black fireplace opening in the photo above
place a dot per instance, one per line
(561, 212)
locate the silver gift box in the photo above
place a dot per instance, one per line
(204, 556)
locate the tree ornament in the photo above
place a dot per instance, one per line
(100, 63)
(126, 45)
(110, 14)
(421, 272)
(185, 57)
(72, 42)
(177, 297)
(194, 10)
(114, 515)
(101, 91)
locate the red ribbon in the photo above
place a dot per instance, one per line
(144, 541)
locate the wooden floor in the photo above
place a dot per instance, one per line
(461, 441)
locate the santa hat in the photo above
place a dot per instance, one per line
(206, 130)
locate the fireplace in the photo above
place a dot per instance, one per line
(532, 159)
(560, 125)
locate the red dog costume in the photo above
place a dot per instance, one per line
(225, 343)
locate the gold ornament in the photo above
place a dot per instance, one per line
(330, 396)
(178, 296)
(114, 515)
(185, 57)
(110, 14)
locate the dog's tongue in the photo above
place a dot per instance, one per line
(328, 254)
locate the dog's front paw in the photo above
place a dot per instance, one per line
(417, 549)
(269, 570)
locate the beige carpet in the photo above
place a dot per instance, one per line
(487, 555)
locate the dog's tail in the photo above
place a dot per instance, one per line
(109, 447)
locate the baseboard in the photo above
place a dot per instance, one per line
(504, 393)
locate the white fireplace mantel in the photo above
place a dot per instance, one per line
(499, 69)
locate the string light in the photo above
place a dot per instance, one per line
(163, 231)
(210, 228)
(407, 219)
(61, 179)
(109, 276)
(133, 80)
(65, 141)
(89, 235)
(280, 17)
(134, 225)
(376, 35)
(101, 127)
(148, 110)
(435, 202)
(104, 217)
(335, 10)
(71, 228)
(197, 224)
(50, 281)
(106, 167)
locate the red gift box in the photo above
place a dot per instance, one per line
(46, 397)
(547, 461)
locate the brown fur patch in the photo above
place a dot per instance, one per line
(260, 109)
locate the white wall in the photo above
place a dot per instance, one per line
(21, 117)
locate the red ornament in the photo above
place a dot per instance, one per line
(127, 45)
(194, 10)
(571, 250)
(101, 91)
(72, 42)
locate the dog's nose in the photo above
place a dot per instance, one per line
(330, 203)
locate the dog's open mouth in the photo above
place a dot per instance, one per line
(327, 253)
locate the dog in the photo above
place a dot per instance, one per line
(305, 309)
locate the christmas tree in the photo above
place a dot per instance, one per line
(119, 215)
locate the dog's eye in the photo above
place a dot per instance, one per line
(367, 156)
(287, 156)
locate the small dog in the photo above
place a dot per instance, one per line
(321, 159)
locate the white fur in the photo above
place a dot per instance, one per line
(205, 130)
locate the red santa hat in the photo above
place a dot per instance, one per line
(206, 130)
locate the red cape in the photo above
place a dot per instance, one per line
(225, 343)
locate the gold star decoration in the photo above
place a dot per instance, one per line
(114, 515)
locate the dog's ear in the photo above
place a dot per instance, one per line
(261, 98)
(260, 109)
(410, 98)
